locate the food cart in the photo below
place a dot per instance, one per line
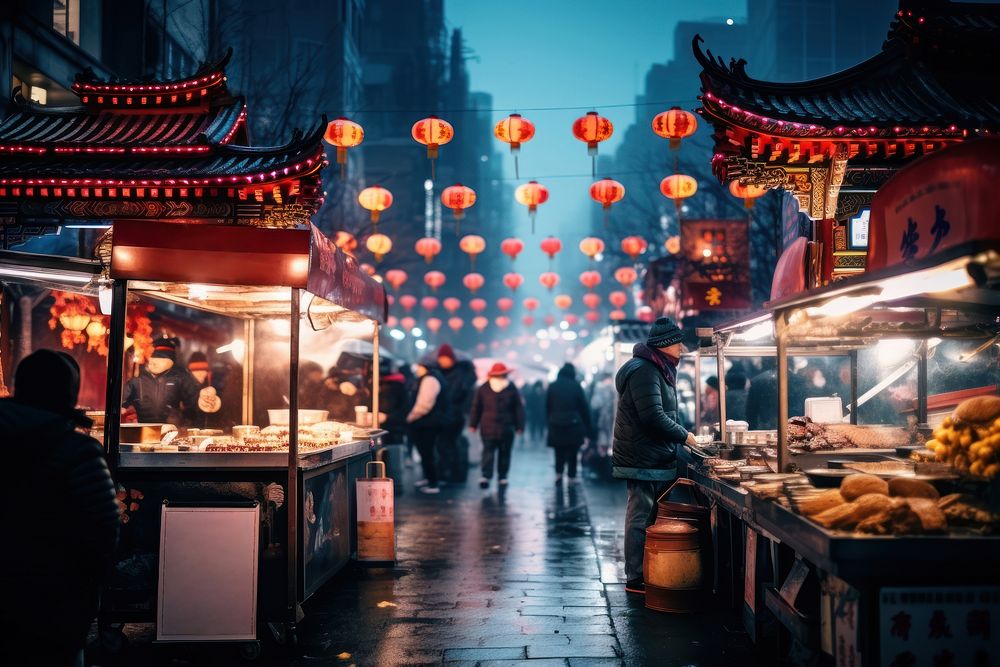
(284, 290)
(875, 591)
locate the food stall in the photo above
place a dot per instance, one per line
(286, 293)
(868, 542)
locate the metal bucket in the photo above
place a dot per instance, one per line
(672, 567)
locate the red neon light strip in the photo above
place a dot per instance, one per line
(126, 89)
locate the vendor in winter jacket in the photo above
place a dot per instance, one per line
(568, 416)
(60, 519)
(646, 436)
(425, 419)
(498, 412)
(164, 393)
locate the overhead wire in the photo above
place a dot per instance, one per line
(520, 109)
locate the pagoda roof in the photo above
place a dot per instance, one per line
(935, 79)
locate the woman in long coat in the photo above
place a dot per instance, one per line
(568, 417)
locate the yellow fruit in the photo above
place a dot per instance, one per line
(985, 452)
(965, 440)
(974, 450)
(946, 422)
(976, 468)
(991, 470)
(995, 439)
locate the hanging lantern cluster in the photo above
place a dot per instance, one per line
(343, 133)
(428, 248)
(514, 130)
(675, 124)
(375, 199)
(531, 194)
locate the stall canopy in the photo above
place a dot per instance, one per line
(171, 150)
(833, 141)
(236, 270)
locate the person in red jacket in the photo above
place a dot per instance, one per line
(498, 412)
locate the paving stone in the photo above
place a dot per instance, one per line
(478, 653)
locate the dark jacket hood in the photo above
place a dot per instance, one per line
(18, 421)
(567, 372)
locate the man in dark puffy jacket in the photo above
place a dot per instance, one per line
(459, 385)
(646, 436)
(59, 515)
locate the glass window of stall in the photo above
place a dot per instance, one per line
(213, 373)
(55, 303)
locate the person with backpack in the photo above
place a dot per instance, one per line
(646, 436)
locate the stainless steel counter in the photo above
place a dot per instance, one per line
(234, 460)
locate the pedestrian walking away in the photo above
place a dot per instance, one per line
(646, 436)
(425, 419)
(567, 414)
(60, 516)
(498, 412)
(459, 384)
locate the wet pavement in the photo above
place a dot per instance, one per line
(533, 577)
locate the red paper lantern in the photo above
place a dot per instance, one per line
(593, 316)
(502, 321)
(618, 299)
(451, 304)
(396, 277)
(591, 300)
(673, 245)
(428, 248)
(626, 275)
(591, 246)
(504, 304)
(408, 323)
(480, 323)
(528, 320)
(563, 301)
(473, 281)
(590, 279)
(477, 305)
(434, 324)
(606, 192)
(343, 133)
(550, 246)
(748, 193)
(512, 247)
(675, 125)
(513, 280)
(345, 241)
(458, 197)
(433, 133)
(531, 194)
(549, 320)
(592, 129)
(633, 246)
(455, 323)
(514, 130)
(531, 303)
(472, 245)
(429, 303)
(391, 321)
(407, 301)
(379, 245)
(617, 315)
(375, 199)
(434, 279)
(645, 314)
(549, 279)
(571, 319)
(678, 187)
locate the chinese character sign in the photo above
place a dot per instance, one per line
(941, 201)
(716, 255)
(939, 626)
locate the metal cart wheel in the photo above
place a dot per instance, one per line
(250, 651)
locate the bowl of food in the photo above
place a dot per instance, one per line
(306, 417)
